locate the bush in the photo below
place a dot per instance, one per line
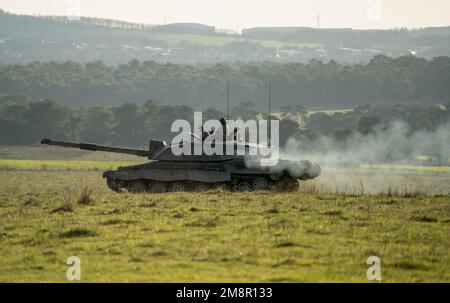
(86, 197)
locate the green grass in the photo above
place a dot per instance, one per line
(174, 38)
(11, 164)
(445, 169)
(140, 38)
(41, 152)
(53, 209)
(214, 236)
(29, 164)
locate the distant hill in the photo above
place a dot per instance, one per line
(25, 39)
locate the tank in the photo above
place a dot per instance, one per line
(167, 172)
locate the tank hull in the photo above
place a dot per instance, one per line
(235, 175)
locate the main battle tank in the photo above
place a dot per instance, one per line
(167, 172)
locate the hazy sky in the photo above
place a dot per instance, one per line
(238, 14)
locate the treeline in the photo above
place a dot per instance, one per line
(80, 23)
(314, 85)
(133, 125)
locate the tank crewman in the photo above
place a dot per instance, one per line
(205, 134)
(225, 129)
(226, 134)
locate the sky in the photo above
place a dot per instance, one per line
(239, 14)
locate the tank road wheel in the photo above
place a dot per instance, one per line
(137, 187)
(202, 187)
(158, 188)
(114, 185)
(177, 187)
(242, 187)
(220, 186)
(261, 183)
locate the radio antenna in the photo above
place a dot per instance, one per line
(270, 101)
(228, 98)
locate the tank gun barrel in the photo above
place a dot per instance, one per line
(94, 147)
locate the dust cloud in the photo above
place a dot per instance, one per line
(386, 161)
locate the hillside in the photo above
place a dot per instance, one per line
(25, 39)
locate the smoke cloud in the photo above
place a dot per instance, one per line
(393, 151)
(395, 144)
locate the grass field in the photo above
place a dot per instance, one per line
(324, 232)
(218, 40)
(58, 165)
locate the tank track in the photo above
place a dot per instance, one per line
(239, 183)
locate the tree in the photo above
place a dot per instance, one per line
(244, 111)
(368, 124)
(128, 125)
(97, 125)
(288, 128)
(47, 119)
